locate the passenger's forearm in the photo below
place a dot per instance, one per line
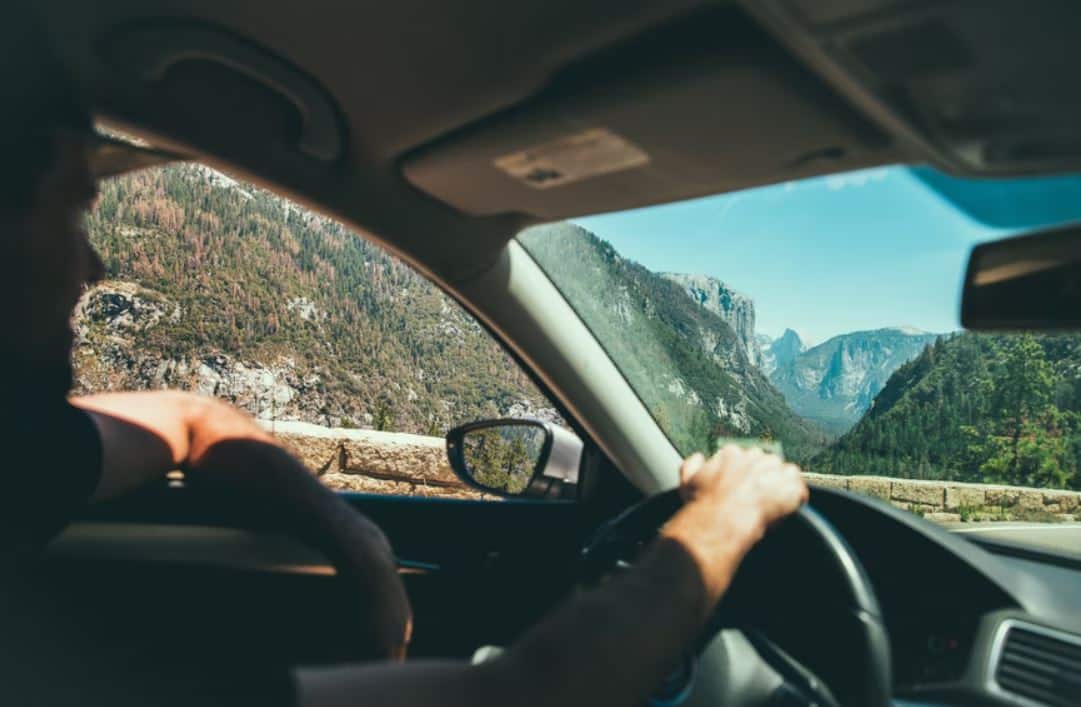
(146, 434)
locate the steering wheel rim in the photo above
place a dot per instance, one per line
(857, 609)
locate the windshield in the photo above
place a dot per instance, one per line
(822, 314)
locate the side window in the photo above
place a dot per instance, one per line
(350, 357)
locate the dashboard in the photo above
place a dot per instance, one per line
(967, 626)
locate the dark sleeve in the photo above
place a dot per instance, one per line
(56, 652)
(51, 458)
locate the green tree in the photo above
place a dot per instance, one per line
(383, 417)
(987, 408)
(1022, 396)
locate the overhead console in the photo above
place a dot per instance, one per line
(984, 87)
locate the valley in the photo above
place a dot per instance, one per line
(221, 288)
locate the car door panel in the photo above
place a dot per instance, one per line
(190, 566)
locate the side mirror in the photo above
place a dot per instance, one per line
(1027, 282)
(516, 457)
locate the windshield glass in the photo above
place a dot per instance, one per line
(823, 314)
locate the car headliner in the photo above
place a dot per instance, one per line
(424, 96)
(429, 92)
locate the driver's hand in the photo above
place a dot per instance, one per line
(730, 500)
(747, 485)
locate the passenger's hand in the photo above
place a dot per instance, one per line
(730, 500)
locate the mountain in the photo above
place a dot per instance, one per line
(971, 407)
(222, 288)
(780, 352)
(217, 287)
(834, 383)
(735, 308)
(682, 357)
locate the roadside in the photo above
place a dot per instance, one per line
(405, 464)
(1062, 538)
(958, 502)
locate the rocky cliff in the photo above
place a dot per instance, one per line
(780, 352)
(680, 353)
(834, 383)
(735, 308)
(108, 356)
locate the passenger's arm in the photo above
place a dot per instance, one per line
(613, 645)
(144, 435)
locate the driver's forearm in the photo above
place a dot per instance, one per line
(608, 646)
(614, 645)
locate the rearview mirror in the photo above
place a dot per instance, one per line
(516, 457)
(1027, 282)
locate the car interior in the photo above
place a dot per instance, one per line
(413, 123)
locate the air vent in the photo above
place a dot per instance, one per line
(1042, 666)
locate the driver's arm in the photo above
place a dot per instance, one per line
(613, 645)
(146, 434)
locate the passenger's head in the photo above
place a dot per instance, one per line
(46, 190)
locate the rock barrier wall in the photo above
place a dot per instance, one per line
(948, 501)
(404, 464)
(368, 461)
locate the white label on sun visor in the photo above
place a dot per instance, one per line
(572, 159)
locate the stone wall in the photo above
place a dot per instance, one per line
(373, 462)
(948, 501)
(403, 464)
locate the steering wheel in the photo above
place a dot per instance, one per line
(800, 597)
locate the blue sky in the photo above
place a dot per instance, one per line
(829, 255)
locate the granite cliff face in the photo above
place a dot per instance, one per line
(779, 352)
(831, 384)
(735, 308)
(834, 383)
(111, 321)
(114, 316)
(675, 339)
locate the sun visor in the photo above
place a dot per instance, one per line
(697, 110)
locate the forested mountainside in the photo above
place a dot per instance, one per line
(997, 409)
(834, 383)
(686, 363)
(227, 289)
